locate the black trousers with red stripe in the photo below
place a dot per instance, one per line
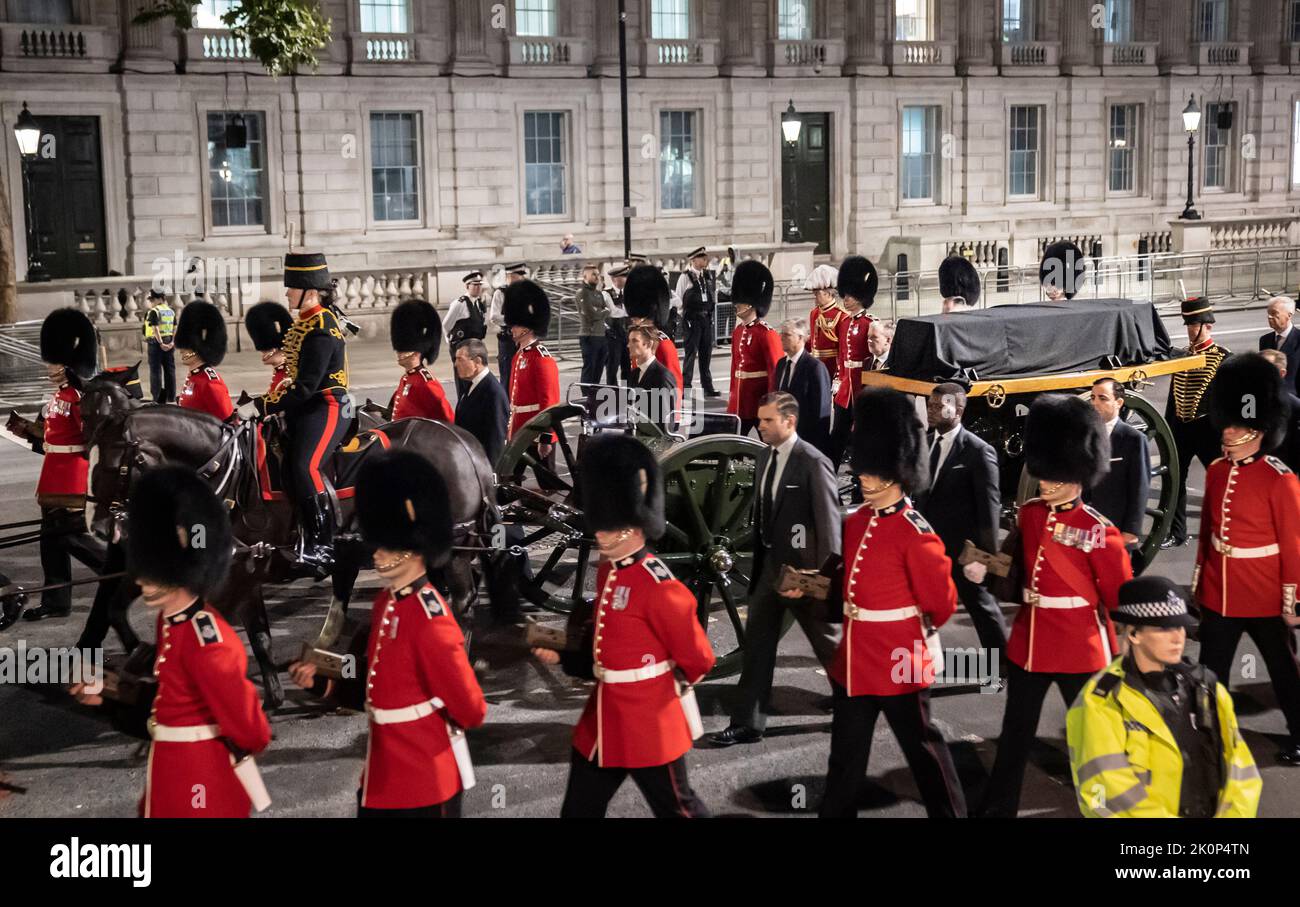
(665, 788)
(315, 431)
(922, 744)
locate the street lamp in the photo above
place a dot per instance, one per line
(28, 133)
(791, 126)
(1191, 123)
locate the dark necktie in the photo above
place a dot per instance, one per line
(934, 456)
(785, 379)
(1277, 342)
(767, 495)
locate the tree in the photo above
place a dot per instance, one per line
(283, 35)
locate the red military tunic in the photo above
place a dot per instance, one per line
(203, 687)
(894, 572)
(206, 392)
(644, 620)
(666, 353)
(534, 384)
(853, 356)
(1074, 559)
(416, 654)
(419, 395)
(755, 351)
(278, 377)
(65, 469)
(1248, 552)
(824, 331)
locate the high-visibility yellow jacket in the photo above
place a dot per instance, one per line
(1126, 763)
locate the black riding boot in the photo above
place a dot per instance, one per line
(318, 533)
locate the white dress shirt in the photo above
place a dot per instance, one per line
(789, 372)
(474, 382)
(782, 454)
(945, 447)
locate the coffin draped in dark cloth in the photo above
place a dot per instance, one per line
(1028, 339)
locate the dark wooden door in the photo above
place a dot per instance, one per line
(806, 183)
(67, 195)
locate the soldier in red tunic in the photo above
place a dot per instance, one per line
(646, 299)
(534, 376)
(641, 642)
(1072, 562)
(419, 689)
(206, 720)
(897, 591)
(959, 283)
(755, 346)
(856, 285)
(416, 333)
(201, 340)
(1248, 549)
(68, 348)
(267, 323)
(825, 318)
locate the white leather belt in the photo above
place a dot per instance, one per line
(190, 734)
(530, 408)
(1236, 551)
(849, 363)
(886, 616)
(1055, 601)
(751, 374)
(631, 675)
(403, 715)
(65, 448)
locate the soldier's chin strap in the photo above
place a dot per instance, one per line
(1244, 439)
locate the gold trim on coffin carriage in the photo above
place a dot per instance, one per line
(1034, 383)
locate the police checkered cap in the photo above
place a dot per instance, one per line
(1153, 601)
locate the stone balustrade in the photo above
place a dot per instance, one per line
(56, 48)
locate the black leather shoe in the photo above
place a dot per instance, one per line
(1173, 542)
(1290, 755)
(713, 393)
(734, 735)
(46, 611)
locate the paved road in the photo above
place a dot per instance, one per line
(71, 763)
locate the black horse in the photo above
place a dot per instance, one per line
(126, 438)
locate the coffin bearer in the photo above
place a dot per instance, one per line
(593, 308)
(959, 283)
(496, 317)
(1121, 494)
(467, 318)
(827, 318)
(697, 297)
(201, 339)
(857, 282)
(755, 346)
(1061, 271)
(421, 695)
(642, 643)
(801, 376)
(653, 387)
(1187, 410)
(484, 409)
(1072, 562)
(416, 334)
(646, 299)
(1154, 736)
(617, 365)
(159, 334)
(206, 721)
(1248, 550)
(897, 592)
(1283, 336)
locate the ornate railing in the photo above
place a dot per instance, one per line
(691, 52)
(215, 45)
(28, 46)
(384, 48)
(1029, 53)
(921, 53)
(540, 51)
(1251, 233)
(815, 53)
(1127, 54)
(1222, 53)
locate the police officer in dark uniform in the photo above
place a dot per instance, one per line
(467, 317)
(314, 401)
(617, 364)
(697, 292)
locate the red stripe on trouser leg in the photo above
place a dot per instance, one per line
(327, 433)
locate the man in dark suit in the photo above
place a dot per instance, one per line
(1283, 337)
(797, 522)
(963, 502)
(484, 409)
(807, 380)
(1121, 495)
(1289, 450)
(653, 386)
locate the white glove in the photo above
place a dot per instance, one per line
(835, 387)
(975, 572)
(248, 410)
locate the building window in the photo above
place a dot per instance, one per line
(1119, 21)
(1217, 172)
(911, 20)
(1017, 21)
(237, 176)
(1212, 20)
(385, 16)
(395, 165)
(208, 13)
(677, 161)
(43, 12)
(1293, 20)
(535, 18)
(544, 163)
(1122, 148)
(1025, 151)
(919, 176)
(794, 21)
(670, 20)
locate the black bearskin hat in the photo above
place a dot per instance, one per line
(958, 277)
(858, 278)
(527, 306)
(889, 439)
(752, 285)
(620, 485)
(1062, 267)
(267, 323)
(1247, 393)
(1066, 441)
(646, 294)
(202, 328)
(178, 531)
(416, 327)
(68, 339)
(402, 505)
(306, 271)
